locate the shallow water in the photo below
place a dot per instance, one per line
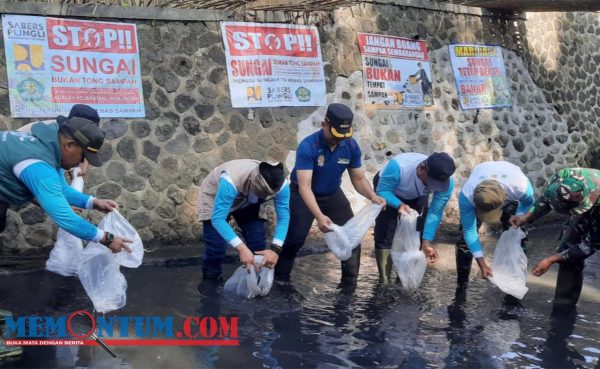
(316, 325)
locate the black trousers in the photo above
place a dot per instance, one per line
(3, 211)
(579, 239)
(387, 220)
(337, 208)
(464, 257)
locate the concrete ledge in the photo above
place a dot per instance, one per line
(108, 11)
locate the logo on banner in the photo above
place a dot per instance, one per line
(303, 94)
(30, 90)
(254, 93)
(28, 57)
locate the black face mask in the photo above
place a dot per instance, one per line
(562, 205)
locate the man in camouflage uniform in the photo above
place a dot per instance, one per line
(576, 192)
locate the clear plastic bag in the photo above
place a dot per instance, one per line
(251, 284)
(65, 255)
(342, 240)
(406, 254)
(116, 224)
(100, 276)
(510, 264)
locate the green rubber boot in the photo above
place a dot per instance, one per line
(384, 265)
(7, 352)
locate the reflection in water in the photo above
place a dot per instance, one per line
(556, 352)
(313, 324)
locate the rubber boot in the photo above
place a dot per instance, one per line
(464, 259)
(384, 265)
(569, 283)
(283, 268)
(350, 269)
(7, 352)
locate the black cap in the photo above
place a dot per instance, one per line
(81, 111)
(440, 167)
(340, 118)
(88, 135)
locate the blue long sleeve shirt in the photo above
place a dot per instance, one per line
(224, 199)
(55, 197)
(468, 218)
(389, 180)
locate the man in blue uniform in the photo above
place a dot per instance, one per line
(321, 159)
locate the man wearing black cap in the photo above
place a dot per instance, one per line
(30, 166)
(321, 159)
(405, 183)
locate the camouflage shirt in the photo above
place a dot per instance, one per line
(572, 191)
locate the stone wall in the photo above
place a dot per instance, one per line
(157, 163)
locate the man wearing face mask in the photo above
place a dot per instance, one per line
(405, 182)
(574, 192)
(30, 168)
(321, 160)
(237, 189)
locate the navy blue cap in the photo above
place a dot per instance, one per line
(81, 111)
(340, 118)
(440, 167)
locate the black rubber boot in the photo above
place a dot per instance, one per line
(350, 269)
(569, 283)
(283, 269)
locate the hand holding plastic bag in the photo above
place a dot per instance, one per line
(406, 254)
(251, 284)
(116, 224)
(342, 240)
(510, 264)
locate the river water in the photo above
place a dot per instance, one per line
(313, 324)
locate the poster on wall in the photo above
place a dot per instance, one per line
(54, 63)
(480, 76)
(396, 72)
(273, 65)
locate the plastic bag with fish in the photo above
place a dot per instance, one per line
(406, 251)
(509, 265)
(116, 224)
(251, 284)
(342, 240)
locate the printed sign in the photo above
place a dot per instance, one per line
(273, 65)
(480, 76)
(396, 72)
(54, 63)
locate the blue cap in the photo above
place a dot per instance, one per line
(440, 167)
(81, 111)
(340, 118)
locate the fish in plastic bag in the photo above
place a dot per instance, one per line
(510, 264)
(65, 255)
(251, 284)
(116, 224)
(342, 240)
(406, 253)
(100, 276)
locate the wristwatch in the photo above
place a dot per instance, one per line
(276, 249)
(108, 239)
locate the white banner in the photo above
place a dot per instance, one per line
(480, 76)
(273, 65)
(54, 63)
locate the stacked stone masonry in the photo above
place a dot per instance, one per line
(155, 165)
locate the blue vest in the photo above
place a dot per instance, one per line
(42, 144)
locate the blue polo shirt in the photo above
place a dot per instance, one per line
(314, 154)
